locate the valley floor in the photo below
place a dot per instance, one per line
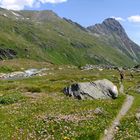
(35, 108)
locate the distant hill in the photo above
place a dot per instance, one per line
(44, 36)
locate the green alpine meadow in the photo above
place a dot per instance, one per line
(62, 78)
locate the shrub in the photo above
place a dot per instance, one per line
(5, 69)
(10, 98)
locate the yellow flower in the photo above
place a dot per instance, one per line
(66, 138)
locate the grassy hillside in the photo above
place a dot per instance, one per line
(44, 36)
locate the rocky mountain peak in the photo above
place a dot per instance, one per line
(111, 30)
(111, 22)
(114, 26)
(108, 26)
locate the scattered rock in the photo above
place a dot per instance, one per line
(99, 67)
(117, 123)
(101, 89)
(121, 90)
(23, 74)
(138, 116)
(116, 128)
(138, 89)
(98, 111)
(71, 117)
(76, 117)
(105, 132)
(60, 68)
(7, 53)
(137, 66)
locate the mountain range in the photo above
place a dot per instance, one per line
(44, 36)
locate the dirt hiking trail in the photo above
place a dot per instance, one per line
(109, 133)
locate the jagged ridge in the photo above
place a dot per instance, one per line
(110, 28)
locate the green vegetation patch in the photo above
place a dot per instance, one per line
(130, 125)
(42, 111)
(10, 98)
(6, 69)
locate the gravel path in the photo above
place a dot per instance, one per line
(109, 133)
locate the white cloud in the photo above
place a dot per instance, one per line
(135, 19)
(16, 4)
(20, 4)
(52, 1)
(118, 18)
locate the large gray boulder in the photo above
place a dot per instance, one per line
(101, 89)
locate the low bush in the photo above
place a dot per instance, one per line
(10, 98)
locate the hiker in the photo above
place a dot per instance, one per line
(121, 75)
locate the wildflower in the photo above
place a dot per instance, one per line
(66, 138)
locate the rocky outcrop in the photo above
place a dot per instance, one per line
(7, 53)
(137, 66)
(108, 27)
(101, 89)
(113, 33)
(75, 24)
(99, 67)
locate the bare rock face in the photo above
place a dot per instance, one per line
(108, 27)
(101, 89)
(7, 53)
(113, 31)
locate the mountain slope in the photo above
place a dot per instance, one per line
(43, 35)
(115, 34)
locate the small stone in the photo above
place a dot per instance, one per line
(138, 90)
(105, 132)
(116, 123)
(117, 128)
(138, 116)
(98, 111)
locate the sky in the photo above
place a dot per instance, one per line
(87, 12)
